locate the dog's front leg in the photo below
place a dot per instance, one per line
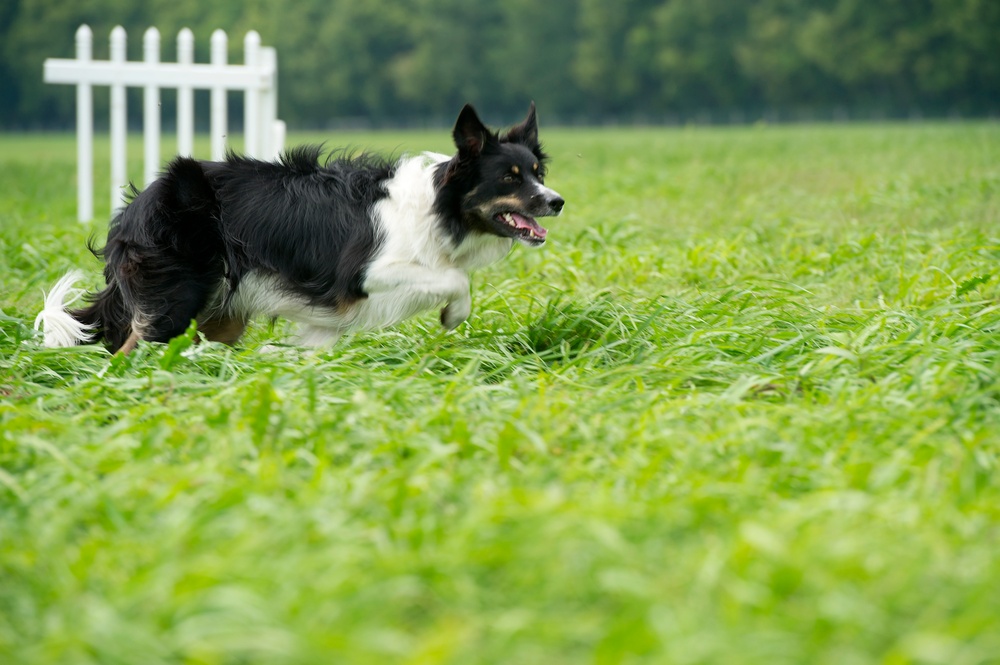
(422, 287)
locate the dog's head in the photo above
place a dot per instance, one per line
(494, 184)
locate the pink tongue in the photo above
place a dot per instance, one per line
(523, 222)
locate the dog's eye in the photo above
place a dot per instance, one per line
(510, 177)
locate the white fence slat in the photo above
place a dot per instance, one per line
(269, 106)
(278, 131)
(151, 109)
(84, 131)
(257, 78)
(185, 96)
(218, 129)
(251, 107)
(119, 113)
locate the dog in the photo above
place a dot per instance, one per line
(349, 243)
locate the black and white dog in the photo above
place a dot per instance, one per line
(355, 243)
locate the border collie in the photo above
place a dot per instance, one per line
(351, 243)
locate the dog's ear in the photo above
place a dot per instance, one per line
(471, 135)
(527, 132)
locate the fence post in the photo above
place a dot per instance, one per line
(251, 107)
(269, 104)
(219, 103)
(151, 108)
(84, 131)
(278, 131)
(119, 171)
(185, 96)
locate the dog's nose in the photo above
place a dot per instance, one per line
(557, 204)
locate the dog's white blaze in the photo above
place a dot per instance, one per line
(59, 328)
(547, 194)
(417, 268)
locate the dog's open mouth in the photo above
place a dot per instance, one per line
(525, 228)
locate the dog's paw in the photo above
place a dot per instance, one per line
(456, 312)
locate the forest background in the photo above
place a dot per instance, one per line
(415, 62)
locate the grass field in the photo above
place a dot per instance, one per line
(743, 407)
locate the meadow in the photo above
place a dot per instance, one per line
(743, 407)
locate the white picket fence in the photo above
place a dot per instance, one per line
(264, 134)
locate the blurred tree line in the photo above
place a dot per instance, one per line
(582, 60)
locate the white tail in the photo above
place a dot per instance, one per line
(59, 327)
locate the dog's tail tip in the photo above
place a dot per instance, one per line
(59, 327)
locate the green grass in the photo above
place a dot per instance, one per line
(742, 408)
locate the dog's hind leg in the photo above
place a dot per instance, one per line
(129, 345)
(164, 255)
(174, 318)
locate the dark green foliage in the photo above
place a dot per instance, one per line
(384, 61)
